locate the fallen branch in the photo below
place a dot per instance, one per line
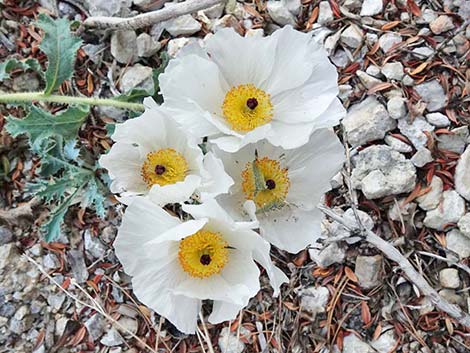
(150, 18)
(414, 276)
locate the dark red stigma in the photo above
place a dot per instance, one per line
(270, 184)
(252, 103)
(205, 259)
(160, 169)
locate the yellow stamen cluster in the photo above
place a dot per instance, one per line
(266, 183)
(246, 107)
(163, 167)
(203, 254)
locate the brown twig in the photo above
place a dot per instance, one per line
(150, 18)
(393, 254)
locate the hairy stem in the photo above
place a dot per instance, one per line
(40, 97)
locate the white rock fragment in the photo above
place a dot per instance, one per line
(124, 46)
(450, 210)
(385, 343)
(112, 338)
(352, 344)
(427, 16)
(373, 70)
(368, 270)
(462, 175)
(458, 243)
(414, 131)
(371, 7)
(449, 278)
(280, 13)
(464, 224)
(137, 76)
(381, 171)
(455, 141)
(432, 94)
(229, 343)
(401, 210)
(422, 157)
(329, 255)
(437, 119)
(146, 45)
(431, 199)
(423, 52)
(314, 300)
(352, 36)
(325, 13)
(388, 40)
(183, 25)
(175, 45)
(367, 121)
(368, 80)
(396, 107)
(441, 24)
(393, 71)
(397, 144)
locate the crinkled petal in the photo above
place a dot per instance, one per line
(224, 311)
(153, 287)
(239, 279)
(123, 162)
(215, 180)
(242, 60)
(143, 221)
(234, 143)
(174, 193)
(291, 228)
(315, 163)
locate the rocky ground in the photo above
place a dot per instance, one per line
(404, 77)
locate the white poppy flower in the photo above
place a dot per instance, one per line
(152, 154)
(239, 90)
(176, 265)
(281, 188)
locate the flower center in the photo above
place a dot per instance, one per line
(163, 167)
(266, 183)
(203, 254)
(246, 107)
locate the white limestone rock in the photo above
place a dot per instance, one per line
(414, 130)
(462, 175)
(422, 157)
(432, 94)
(458, 243)
(396, 107)
(431, 199)
(450, 210)
(381, 171)
(371, 7)
(352, 36)
(388, 40)
(367, 121)
(438, 119)
(393, 71)
(449, 278)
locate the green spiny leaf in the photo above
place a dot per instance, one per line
(54, 190)
(10, 65)
(61, 47)
(39, 124)
(93, 197)
(52, 227)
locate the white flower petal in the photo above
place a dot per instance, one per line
(174, 193)
(291, 228)
(153, 287)
(242, 60)
(215, 180)
(314, 163)
(143, 221)
(124, 163)
(239, 279)
(224, 311)
(294, 60)
(289, 135)
(234, 143)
